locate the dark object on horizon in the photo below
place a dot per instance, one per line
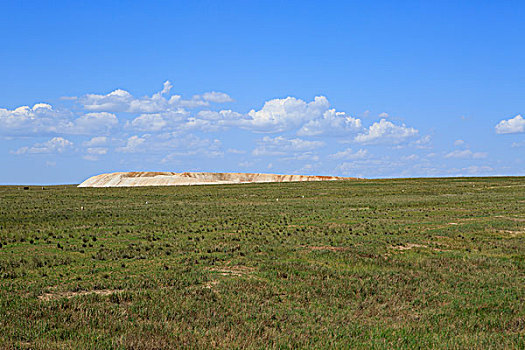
(26, 188)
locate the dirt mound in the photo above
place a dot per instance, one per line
(134, 179)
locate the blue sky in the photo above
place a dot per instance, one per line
(369, 89)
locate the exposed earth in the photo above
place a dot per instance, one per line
(135, 179)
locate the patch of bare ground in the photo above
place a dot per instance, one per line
(327, 247)
(408, 246)
(513, 218)
(237, 270)
(507, 186)
(513, 233)
(210, 284)
(69, 295)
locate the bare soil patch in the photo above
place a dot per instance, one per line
(237, 270)
(409, 246)
(327, 247)
(69, 295)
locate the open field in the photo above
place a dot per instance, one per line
(433, 263)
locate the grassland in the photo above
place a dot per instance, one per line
(419, 263)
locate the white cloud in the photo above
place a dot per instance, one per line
(459, 143)
(193, 146)
(43, 119)
(220, 116)
(54, 145)
(160, 121)
(97, 150)
(284, 114)
(331, 122)
(91, 123)
(217, 97)
(116, 101)
(90, 157)
(348, 154)
(385, 132)
(410, 157)
(422, 143)
(93, 153)
(511, 126)
(466, 154)
(235, 151)
(133, 144)
(39, 119)
(477, 170)
(280, 146)
(149, 122)
(167, 147)
(122, 101)
(96, 141)
(246, 164)
(310, 156)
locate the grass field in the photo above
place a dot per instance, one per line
(418, 263)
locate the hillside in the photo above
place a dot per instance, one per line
(137, 179)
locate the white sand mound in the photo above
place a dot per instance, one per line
(134, 179)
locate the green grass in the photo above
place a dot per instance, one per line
(416, 263)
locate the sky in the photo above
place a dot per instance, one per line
(374, 89)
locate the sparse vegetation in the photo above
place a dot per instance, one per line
(432, 263)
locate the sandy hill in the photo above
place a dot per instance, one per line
(133, 179)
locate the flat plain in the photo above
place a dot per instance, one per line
(405, 263)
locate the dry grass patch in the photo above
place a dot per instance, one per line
(327, 247)
(237, 270)
(69, 295)
(408, 246)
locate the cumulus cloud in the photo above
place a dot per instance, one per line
(93, 153)
(96, 141)
(42, 118)
(133, 144)
(91, 123)
(122, 101)
(331, 122)
(149, 122)
(54, 145)
(220, 116)
(511, 126)
(160, 121)
(116, 101)
(278, 115)
(193, 146)
(385, 132)
(168, 146)
(348, 154)
(97, 150)
(466, 154)
(217, 97)
(422, 143)
(459, 143)
(279, 145)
